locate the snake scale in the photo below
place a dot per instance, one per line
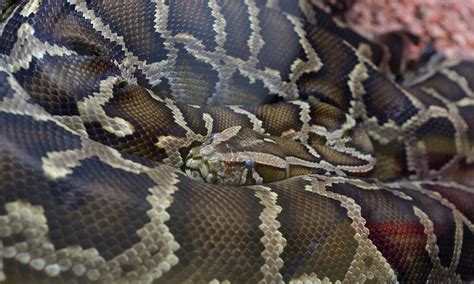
(114, 113)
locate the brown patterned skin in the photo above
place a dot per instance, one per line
(99, 98)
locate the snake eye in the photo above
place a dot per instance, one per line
(249, 164)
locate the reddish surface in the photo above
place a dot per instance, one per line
(447, 24)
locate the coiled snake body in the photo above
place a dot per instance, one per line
(346, 175)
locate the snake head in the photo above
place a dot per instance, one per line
(231, 158)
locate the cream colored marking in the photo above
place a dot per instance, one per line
(401, 194)
(154, 75)
(418, 186)
(257, 177)
(131, 62)
(274, 4)
(361, 184)
(439, 273)
(225, 71)
(416, 149)
(61, 163)
(208, 123)
(379, 269)
(356, 77)
(226, 134)
(155, 236)
(219, 25)
(4, 23)
(369, 159)
(74, 122)
(272, 239)
(270, 78)
(312, 278)
(430, 72)
(257, 157)
(389, 131)
(28, 47)
(453, 184)
(19, 103)
(215, 281)
(382, 133)
(312, 151)
(172, 144)
(459, 80)
(30, 8)
(255, 41)
(257, 123)
(269, 140)
(458, 243)
(91, 109)
(178, 116)
(465, 102)
(314, 63)
(323, 165)
(434, 93)
(364, 50)
(308, 10)
(305, 111)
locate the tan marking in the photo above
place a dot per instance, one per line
(323, 165)
(257, 123)
(312, 278)
(270, 78)
(91, 109)
(356, 77)
(401, 194)
(439, 272)
(258, 157)
(305, 111)
(131, 62)
(364, 50)
(156, 71)
(40, 253)
(417, 159)
(219, 25)
(172, 145)
(57, 165)
(378, 269)
(418, 186)
(226, 135)
(435, 94)
(272, 239)
(255, 42)
(215, 281)
(459, 80)
(224, 72)
(314, 63)
(28, 47)
(429, 72)
(19, 103)
(60, 164)
(458, 243)
(308, 10)
(30, 8)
